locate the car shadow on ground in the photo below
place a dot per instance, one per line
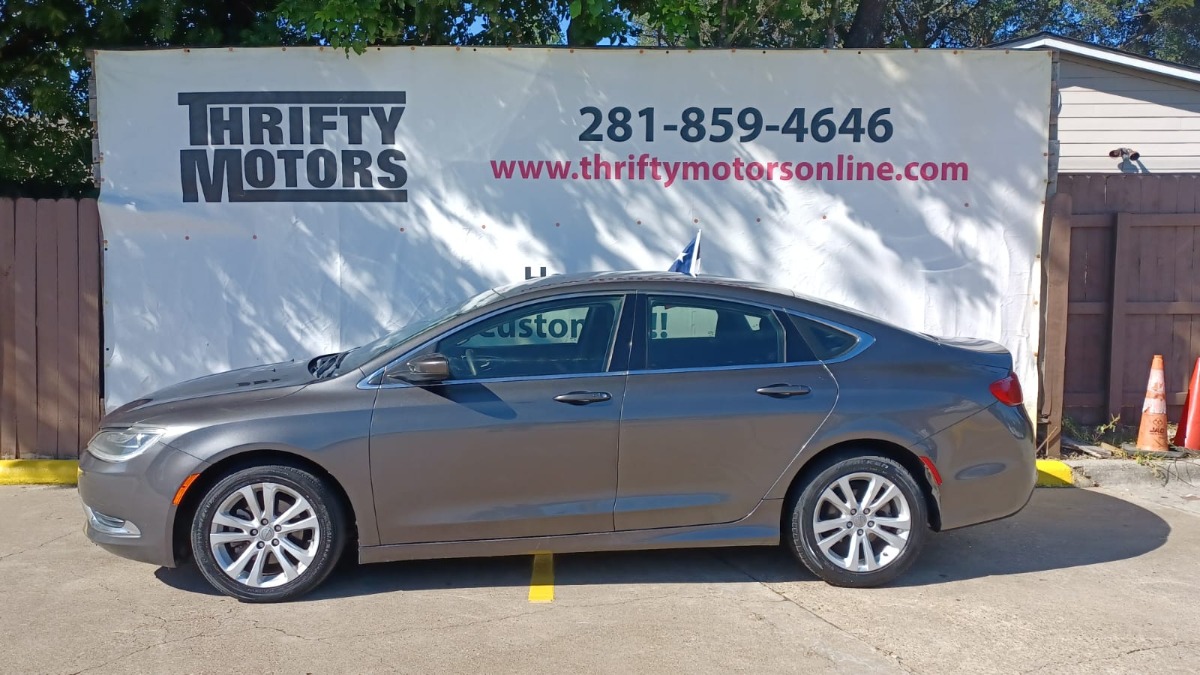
(1059, 529)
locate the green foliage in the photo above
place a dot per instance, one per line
(45, 133)
(721, 23)
(1164, 29)
(356, 24)
(1111, 432)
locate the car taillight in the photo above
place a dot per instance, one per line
(1008, 390)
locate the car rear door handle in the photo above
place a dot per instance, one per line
(783, 390)
(583, 397)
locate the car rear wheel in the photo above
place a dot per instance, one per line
(860, 522)
(268, 533)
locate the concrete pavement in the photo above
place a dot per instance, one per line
(1081, 581)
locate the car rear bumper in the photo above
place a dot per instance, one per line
(988, 466)
(128, 507)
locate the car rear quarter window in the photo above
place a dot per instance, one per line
(826, 342)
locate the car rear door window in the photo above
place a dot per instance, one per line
(558, 337)
(684, 332)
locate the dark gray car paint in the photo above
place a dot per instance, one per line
(703, 447)
(139, 491)
(495, 460)
(928, 397)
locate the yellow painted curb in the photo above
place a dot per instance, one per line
(1053, 473)
(39, 472)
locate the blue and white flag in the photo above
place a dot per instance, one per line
(688, 261)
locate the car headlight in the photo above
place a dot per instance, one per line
(122, 445)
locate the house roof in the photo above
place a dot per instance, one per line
(1109, 55)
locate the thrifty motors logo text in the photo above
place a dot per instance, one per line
(293, 146)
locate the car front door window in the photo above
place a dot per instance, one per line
(561, 337)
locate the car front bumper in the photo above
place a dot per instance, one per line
(127, 505)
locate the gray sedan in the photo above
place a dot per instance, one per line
(605, 411)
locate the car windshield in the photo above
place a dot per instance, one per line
(358, 356)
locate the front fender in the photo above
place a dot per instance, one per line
(337, 441)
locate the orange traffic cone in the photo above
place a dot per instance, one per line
(1152, 433)
(1188, 434)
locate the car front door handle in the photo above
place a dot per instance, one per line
(583, 397)
(783, 390)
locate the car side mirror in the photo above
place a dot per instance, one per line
(422, 369)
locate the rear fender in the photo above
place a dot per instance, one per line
(838, 431)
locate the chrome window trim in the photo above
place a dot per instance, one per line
(707, 369)
(365, 383)
(493, 380)
(863, 340)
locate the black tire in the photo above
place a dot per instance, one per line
(324, 544)
(804, 540)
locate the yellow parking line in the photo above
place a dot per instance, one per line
(541, 586)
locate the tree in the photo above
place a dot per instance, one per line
(45, 133)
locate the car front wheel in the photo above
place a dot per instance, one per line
(860, 522)
(268, 533)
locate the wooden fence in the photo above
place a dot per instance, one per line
(50, 391)
(1123, 284)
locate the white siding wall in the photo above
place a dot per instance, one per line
(1104, 106)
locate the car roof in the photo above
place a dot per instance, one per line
(634, 278)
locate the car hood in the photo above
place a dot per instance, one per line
(245, 385)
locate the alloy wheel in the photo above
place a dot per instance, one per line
(862, 522)
(264, 535)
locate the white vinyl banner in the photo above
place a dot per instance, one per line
(261, 205)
